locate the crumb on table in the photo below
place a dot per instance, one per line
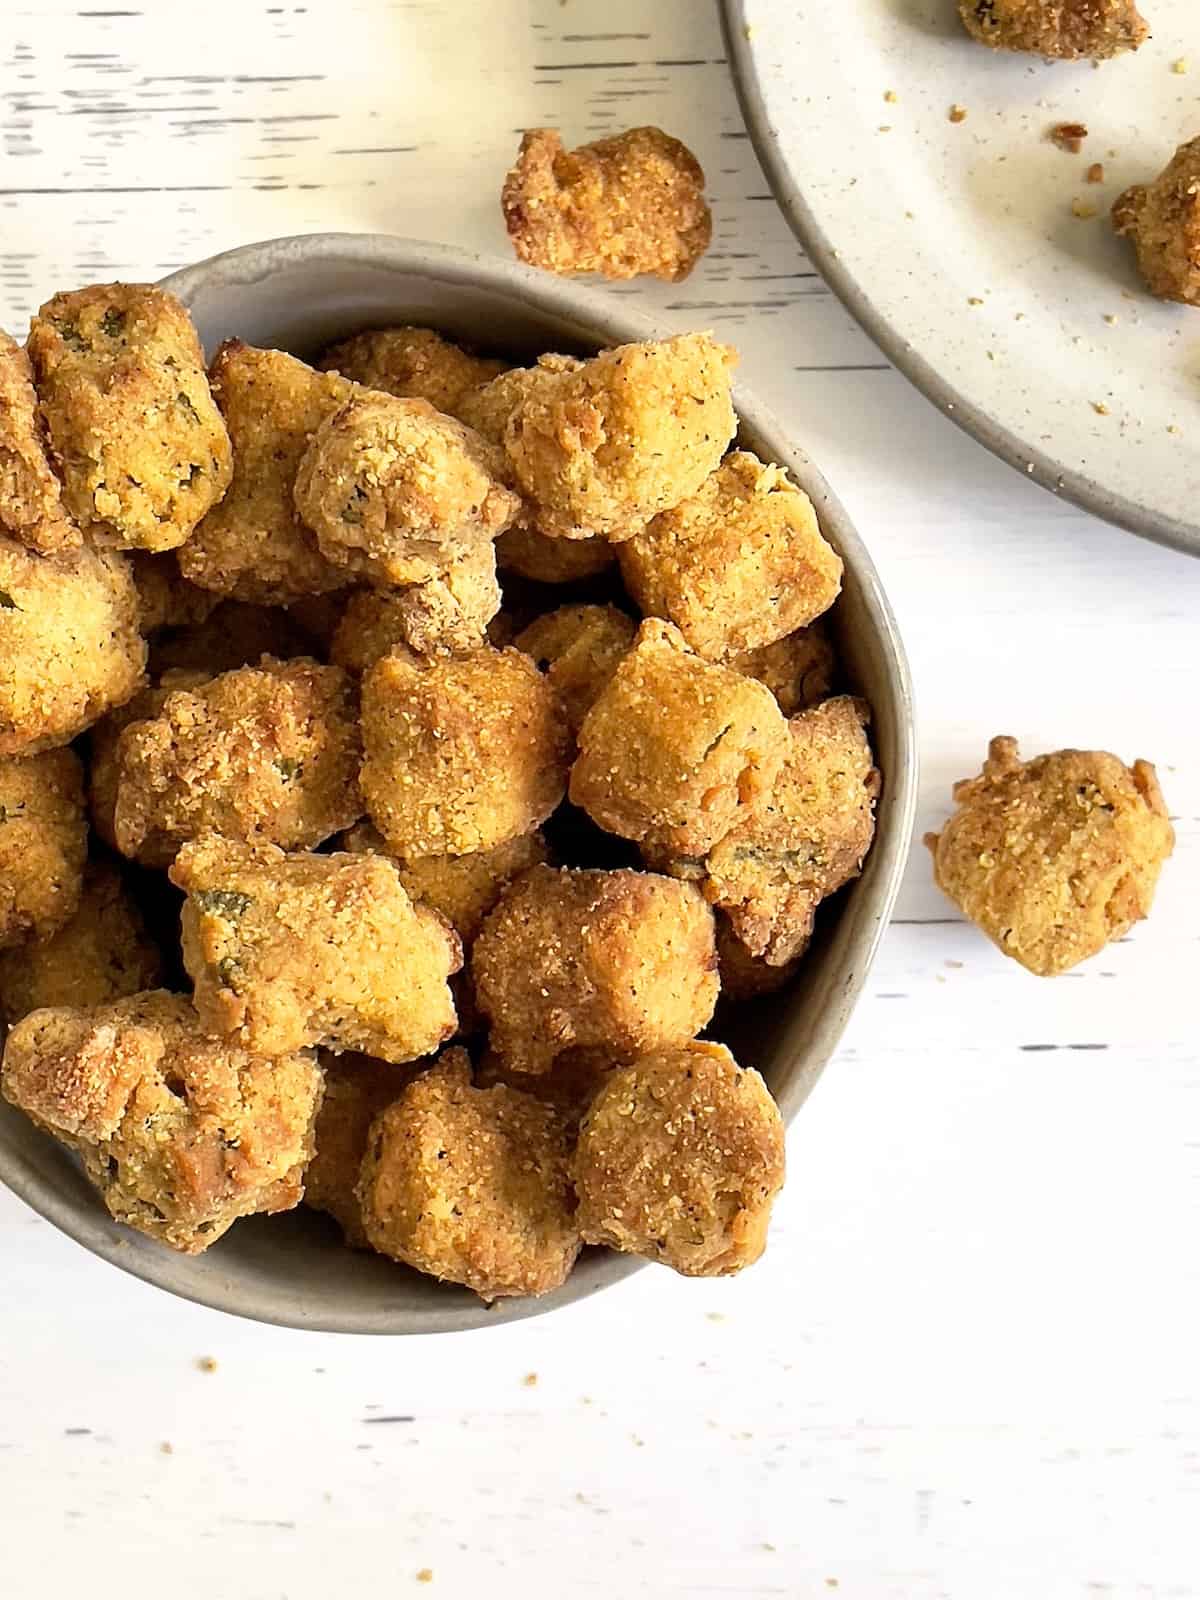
(1069, 136)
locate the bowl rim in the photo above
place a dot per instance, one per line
(550, 297)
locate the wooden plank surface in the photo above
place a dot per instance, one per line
(968, 1365)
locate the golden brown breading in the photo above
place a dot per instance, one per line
(679, 1159)
(676, 750)
(743, 976)
(291, 950)
(626, 205)
(806, 839)
(43, 844)
(141, 447)
(530, 554)
(798, 669)
(391, 488)
(357, 1089)
(603, 448)
(738, 565)
(69, 644)
(412, 364)
(31, 509)
(268, 752)
(180, 1133)
(622, 960)
(470, 1185)
(253, 546)
(461, 753)
(1163, 220)
(486, 410)
(1053, 857)
(103, 953)
(578, 648)
(1067, 30)
(446, 615)
(233, 635)
(104, 746)
(462, 888)
(165, 598)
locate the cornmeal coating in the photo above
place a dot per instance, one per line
(530, 554)
(470, 1185)
(578, 648)
(461, 753)
(181, 1134)
(1066, 30)
(43, 844)
(462, 888)
(622, 960)
(104, 747)
(799, 669)
(1053, 857)
(357, 1089)
(738, 565)
(626, 205)
(679, 1159)
(103, 953)
(268, 752)
(487, 409)
(233, 635)
(676, 750)
(806, 839)
(391, 487)
(446, 615)
(1163, 221)
(292, 950)
(412, 364)
(253, 546)
(137, 438)
(606, 447)
(69, 644)
(743, 976)
(31, 509)
(165, 598)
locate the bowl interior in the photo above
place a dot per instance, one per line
(298, 295)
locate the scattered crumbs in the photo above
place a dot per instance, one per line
(769, 1547)
(167, 1448)
(207, 1363)
(958, 113)
(580, 1497)
(955, 966)
(748, 30)
(1171, 428)
(974, 300)
(890, 96)
(1110, 319)
(586, 1400)
(1068, 136)
(885, 127)
(1083, 209)
(1029, 468)
(425, 1575)
(1180, 66)
(715, 1316)
(634, 1439)
(831, 1583)
(909, 215)
(1020, 317)
(991, 355)
(1095, 173)
(530, 1380)
(1099, 408)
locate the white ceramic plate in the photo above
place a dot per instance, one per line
(955, 243)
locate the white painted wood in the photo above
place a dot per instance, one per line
(967, 1366)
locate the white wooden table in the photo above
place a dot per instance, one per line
(968, 1366)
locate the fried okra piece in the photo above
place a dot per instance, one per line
(679, 1159)
(623, 206)
(412, 364)
(69, 644)
(104, 747)
(604, 448)
(676, 750)
(253, 546)
(140, 444)
(622, 960)
(391, 488)
(103, 953)
(293, 950)
(269, 752)
(798, 669)
(446, 615)
(1053, 858)
(578, 648)
(1066, 30)
(738, 565)
(165, 598)
(180, 1133)
(43, 844)
(31, 508)
(470, 1185)
(461, 753)
(357, 1089)
(1162, 219)
(233, 635)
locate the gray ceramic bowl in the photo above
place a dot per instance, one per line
(299, 294)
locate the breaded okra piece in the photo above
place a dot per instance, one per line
(293, 950)
(181, 1133)
(578, 648)
(137, 438)
(31, 508)
(43, 844)
(412, 364)
(357, 1089)
(445, 615)
(798, 669)
(1162, 219)
(1064, 30)
(470, 1185)
(621, 960)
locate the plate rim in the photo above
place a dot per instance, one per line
(1032, 463)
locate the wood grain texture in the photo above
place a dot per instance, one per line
(967, 1366)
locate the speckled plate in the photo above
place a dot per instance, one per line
(957, 244)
